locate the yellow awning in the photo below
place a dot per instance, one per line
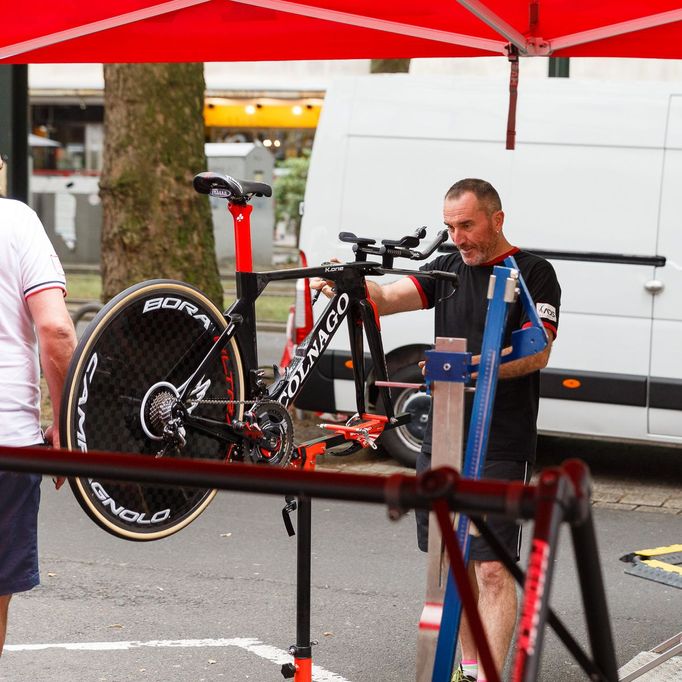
(262, 113)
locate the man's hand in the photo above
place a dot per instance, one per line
(475, 360)
(325, 286)
(397, 297)
(52, 438)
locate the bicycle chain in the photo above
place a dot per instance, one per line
(215, 401)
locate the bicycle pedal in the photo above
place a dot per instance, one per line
(290, 506)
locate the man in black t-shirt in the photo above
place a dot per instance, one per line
(473, 215)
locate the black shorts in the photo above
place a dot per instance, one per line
(19, 501)
(508, 532)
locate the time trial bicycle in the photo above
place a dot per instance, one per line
(162, 372)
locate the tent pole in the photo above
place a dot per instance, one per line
(14, 129)
(96, 26)
(613, 30)
(495, 46)
(487, 16)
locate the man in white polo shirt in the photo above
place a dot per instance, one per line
(35, 329)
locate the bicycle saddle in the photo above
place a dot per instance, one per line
(225, 187)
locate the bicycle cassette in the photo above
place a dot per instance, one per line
(276, 444)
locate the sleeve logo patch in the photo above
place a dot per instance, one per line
(546, 310)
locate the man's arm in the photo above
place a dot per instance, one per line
(545, 290)
(57, 339)
(400, 296)
(529, 364)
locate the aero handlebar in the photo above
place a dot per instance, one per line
(398, 250)
(391, 249)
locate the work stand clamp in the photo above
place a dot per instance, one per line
(445, 366)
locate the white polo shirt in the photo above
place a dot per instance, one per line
(28, 265)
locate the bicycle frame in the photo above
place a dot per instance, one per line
(350, 302)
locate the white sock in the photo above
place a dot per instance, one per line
(470, 668)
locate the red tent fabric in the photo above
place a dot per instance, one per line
(237, 30)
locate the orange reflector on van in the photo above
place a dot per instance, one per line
(349, 364)
(571, 383)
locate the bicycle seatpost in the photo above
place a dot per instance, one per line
(241, 219)
(238, 194)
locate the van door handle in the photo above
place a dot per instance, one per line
(654, 286)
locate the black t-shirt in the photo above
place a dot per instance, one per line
(513, 433)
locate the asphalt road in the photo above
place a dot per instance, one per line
(217, 600)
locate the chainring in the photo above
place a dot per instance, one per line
(276, 446)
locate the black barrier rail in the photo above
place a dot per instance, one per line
(399, 492)
(563, 496)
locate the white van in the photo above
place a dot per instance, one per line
(594, 185)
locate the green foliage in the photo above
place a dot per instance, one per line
(290, 189)
(390, 66)
(268, 308)
(84, 286)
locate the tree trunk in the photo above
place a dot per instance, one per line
(390, 66)
(154, 224)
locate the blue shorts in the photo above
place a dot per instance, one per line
(507, 531)
(19, 501)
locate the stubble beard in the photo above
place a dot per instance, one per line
(479, 257)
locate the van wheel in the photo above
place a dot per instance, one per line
(404, 443)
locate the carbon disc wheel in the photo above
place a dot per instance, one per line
(124, 378)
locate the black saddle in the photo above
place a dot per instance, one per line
(225, 187)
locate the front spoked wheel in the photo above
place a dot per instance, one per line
(122, 393)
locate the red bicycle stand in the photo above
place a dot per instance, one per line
(301, 670)
(305, 458)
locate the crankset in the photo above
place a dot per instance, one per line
(275, 445)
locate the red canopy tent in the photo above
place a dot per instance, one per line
(246, 30)
(241, 30)
(238, 30)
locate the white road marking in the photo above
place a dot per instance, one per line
(254, 646)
